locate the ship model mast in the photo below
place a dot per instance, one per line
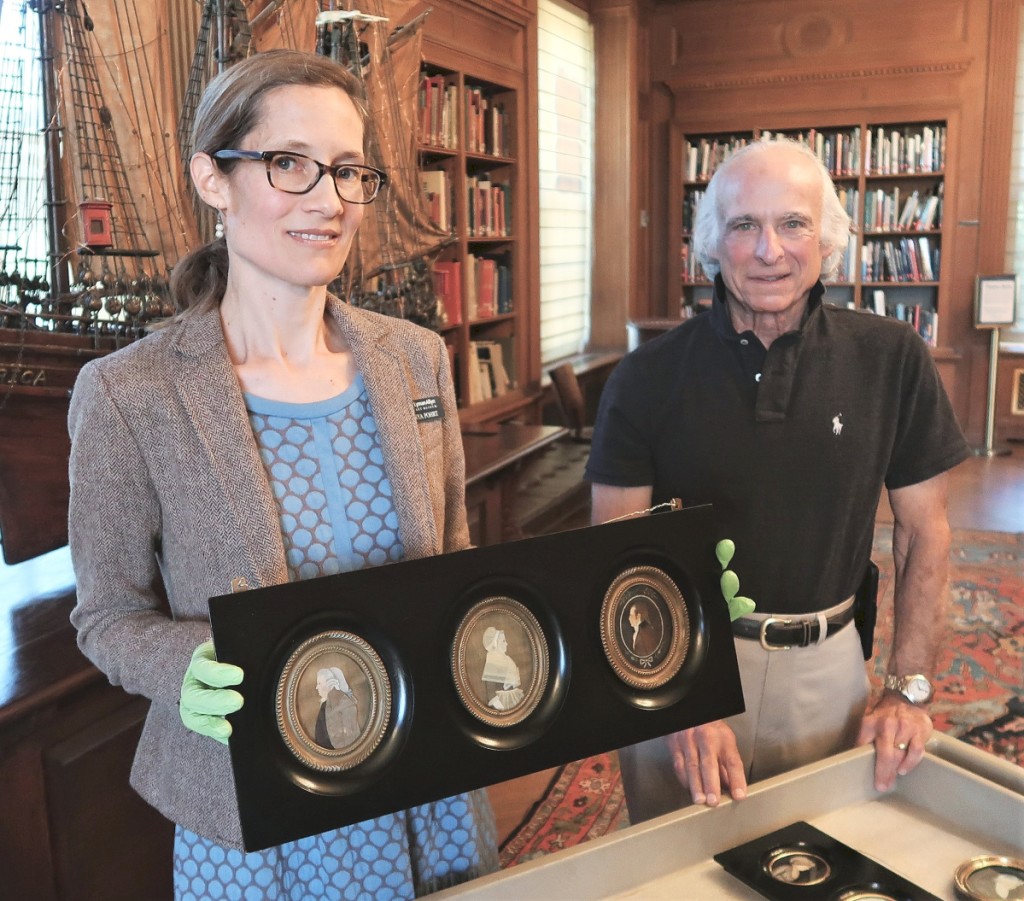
(95, 204)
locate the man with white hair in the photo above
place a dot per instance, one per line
(789, 415)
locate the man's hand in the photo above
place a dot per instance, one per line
(899, 731)
(205, 699)
(706, 759)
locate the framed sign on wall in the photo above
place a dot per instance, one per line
(995, 301)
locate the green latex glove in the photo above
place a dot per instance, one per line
(205, 699)
(730, 582)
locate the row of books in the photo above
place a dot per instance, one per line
(438, 112)
(487, 124)
(886, 151)
(891, 211)
(490, 207)
(690, 204)
(839, 151)
(437, 191)
(691, 270)
(488, 288)
(924, 319)
(900, 260)
(849, 197)
(703, 158)
(447, 276)
(905, 151)
(488, 369)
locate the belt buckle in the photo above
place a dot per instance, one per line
(771, 620)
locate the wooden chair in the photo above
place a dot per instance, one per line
(570, 399)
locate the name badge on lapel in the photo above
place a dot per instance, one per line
(428, 409)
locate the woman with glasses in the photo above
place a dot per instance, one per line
(268, 433)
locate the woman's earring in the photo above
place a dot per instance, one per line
(218, 228)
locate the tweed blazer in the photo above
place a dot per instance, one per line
(170, 503)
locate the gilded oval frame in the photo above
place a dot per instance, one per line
(648, 650)
(359, 717)
(479, 662)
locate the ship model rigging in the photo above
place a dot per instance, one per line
(96, 208)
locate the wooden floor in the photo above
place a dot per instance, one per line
(985, 493)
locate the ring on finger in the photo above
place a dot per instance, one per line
(902, 746)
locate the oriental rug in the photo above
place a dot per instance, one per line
(979, 688)
(979, 685)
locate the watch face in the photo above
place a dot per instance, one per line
(918, 689)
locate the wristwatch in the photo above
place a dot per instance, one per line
(915, 687)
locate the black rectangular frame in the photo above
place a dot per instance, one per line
(410, 611)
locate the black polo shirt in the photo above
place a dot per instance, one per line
(792, 445)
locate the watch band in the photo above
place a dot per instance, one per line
(916, 687)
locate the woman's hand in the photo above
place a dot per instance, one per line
(205, 699)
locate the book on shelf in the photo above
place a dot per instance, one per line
(469, 275)
(436, 106)
(448, 288)
(504, 291)
(878, 302)
(486, 284)
(488, 362)
(924, 320)
(436, 188)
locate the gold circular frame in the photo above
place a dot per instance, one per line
(796, 865)
(645, 657)
(966, 876)
(866, 893)
(361, 712)
(500, 661)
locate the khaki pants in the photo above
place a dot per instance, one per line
(801, 705)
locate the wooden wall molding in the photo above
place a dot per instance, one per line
(699, 83)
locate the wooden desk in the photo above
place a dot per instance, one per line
(67, 739)
(494, 458)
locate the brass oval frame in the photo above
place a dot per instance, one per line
(296, 737)
(540, 661)
(964, 872)
(634, 675)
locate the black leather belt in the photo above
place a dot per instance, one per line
(779, 633)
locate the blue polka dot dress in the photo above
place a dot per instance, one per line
(337, 514)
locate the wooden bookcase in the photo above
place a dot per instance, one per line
(470, 155)
(891, 179)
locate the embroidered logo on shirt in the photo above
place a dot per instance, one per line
(837, 424)
(427, 409)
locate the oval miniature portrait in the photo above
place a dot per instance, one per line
(645, 627)
(500, 661)
(796, 865)
(333, 701)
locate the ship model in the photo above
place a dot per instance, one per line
(96, 205)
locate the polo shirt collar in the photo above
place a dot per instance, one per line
(722, 321)
(778, 370)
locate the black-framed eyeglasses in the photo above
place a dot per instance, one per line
(295, 173)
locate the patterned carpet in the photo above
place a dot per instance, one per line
(979, 688)
(980, 674)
